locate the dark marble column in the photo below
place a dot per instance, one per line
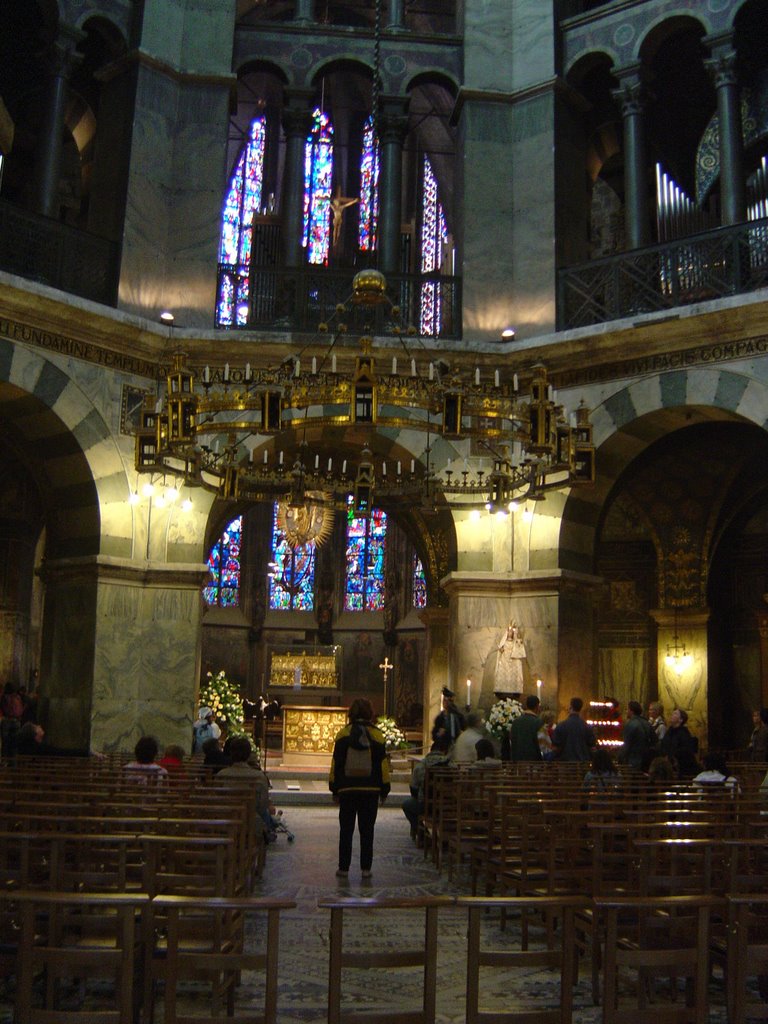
(48, 163)
(733, 202)
(395, 22)
(636, 212)
(297, 121)
(302, 11)
(393, 127)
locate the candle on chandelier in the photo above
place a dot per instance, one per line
(317, 462)
(514, 382)
(431, 371)
(413, 367)
(247, 371)
(477, 375)
(330, 464)
(383, 469)
(297, 368)
(226, 371)
(280, 459)
(333, 363)
(159, 406)
(344, 468)
(250, 456)
(399, 468)
(207, 375)
(413, 466)
(314, 364)
(496, 378)
(394, 365)
(265, 456)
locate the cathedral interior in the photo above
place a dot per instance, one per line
(222, 224)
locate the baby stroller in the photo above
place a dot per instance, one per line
(278, 828)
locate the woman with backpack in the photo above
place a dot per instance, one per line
(359, 780)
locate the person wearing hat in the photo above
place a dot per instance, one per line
(205, 728)
(450, 721)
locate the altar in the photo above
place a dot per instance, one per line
(309, 732)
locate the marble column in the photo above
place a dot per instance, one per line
(436, 669)
(302, 12)
(64, 59)
(120, 654)
(393, 127)
(684, 685)
(733, 201)
(636, 208)
(395, 22)
(297, 122)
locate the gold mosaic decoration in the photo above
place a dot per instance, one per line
(308, 730)
(317, 670)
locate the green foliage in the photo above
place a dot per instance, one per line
(226, 702)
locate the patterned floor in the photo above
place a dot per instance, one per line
(304, 871)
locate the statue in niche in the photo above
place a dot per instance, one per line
(509, 661)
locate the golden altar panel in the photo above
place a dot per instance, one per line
(317, 670)
(309, 732)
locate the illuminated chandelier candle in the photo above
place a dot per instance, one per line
(333, 363)
(469, 692)
(330, 464)
(265, 456)
(538, 688)
(413, 466)
(280, 459)
(399, 468)
(496, 378)
(314, 364)
(394, 365)
(317, 462)
(477, 375)
(226, 372)
(383, 469)
(344, 468)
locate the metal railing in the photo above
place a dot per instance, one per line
(44, 250)
(710, 265)
(301, 299)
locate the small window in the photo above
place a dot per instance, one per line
(366, 538)
(223, 587)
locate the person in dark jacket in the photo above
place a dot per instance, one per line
(639, 737)
(359, 780)
(524, 732)
(680, 746)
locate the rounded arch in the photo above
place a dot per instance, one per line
(340, 63)
(433, 76)
(584, 64)
(665, 27)
(626, 423)
(255, 66)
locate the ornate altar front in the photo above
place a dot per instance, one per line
(309, 732)
(314, 669)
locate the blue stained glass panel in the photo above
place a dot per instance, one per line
(365, 551)
(223, 586)
(242, 201)
(433, 234)
(369, 190)
(292, 583)
(318, 172)
(419, 586)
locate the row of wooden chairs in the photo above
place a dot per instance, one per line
(656, 965)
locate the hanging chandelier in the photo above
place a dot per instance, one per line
(677, 657)
(321, 430)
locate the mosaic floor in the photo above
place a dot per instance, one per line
(304, 871)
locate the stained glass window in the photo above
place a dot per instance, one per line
(223, 587)
(369, 190)
(243, 199)
(433, 235)
(366, 536)
(419, 583)
(318, 171)
(292, 580)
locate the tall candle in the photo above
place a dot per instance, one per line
(394, 365)
(333, 363)
(469, 692)
(496, 378)
(477, 375)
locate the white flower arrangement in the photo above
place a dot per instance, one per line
(394, 737)
(502, 715)
(225, 700)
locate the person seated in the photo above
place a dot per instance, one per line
(144, 768)
(438, 756)
(464, 746)
(486, 754)
(661, 771)
(715, 774)
(243, 772)
(602, 774)
(214, 757)
(30, 742)
(173, 761)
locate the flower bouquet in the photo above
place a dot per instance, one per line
(225, 700)
(502, 715)
(394, 737)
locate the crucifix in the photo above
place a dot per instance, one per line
(386, 668)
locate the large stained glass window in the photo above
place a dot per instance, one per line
(223, 587)
(318, 171)
(433, 235)
(369, 190)
(419, 583)
(292, 579)
(366, 536)
(243, 199)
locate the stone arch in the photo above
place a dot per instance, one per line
(625, 424)
(74, 455)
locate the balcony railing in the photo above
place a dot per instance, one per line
(58, 255)
(304, 298)
(711, 265)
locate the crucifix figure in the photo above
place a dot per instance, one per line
(339, 203)
(386, 668)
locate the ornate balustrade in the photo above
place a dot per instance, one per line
(710, 265)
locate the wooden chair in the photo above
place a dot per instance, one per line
(58, 944)
(747, 957)
(423, 954)
(557, 953)
(657, 940)
(203, 938)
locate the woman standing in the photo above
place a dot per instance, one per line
(359, 780)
